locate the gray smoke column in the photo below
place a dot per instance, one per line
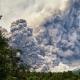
(57, 43)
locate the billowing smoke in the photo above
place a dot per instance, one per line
(34, 11)
(51, 37)
(55, 45)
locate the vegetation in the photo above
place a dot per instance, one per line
(9, 63)
(10, 69)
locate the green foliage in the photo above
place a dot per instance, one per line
(52, 76)
(8, 60)
(3, 41)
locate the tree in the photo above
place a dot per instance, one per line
(8, 60)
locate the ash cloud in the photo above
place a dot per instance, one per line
(56, 42)
(33, 11)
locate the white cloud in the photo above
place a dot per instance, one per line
(34, 11)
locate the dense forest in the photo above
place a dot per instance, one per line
(11, 67)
